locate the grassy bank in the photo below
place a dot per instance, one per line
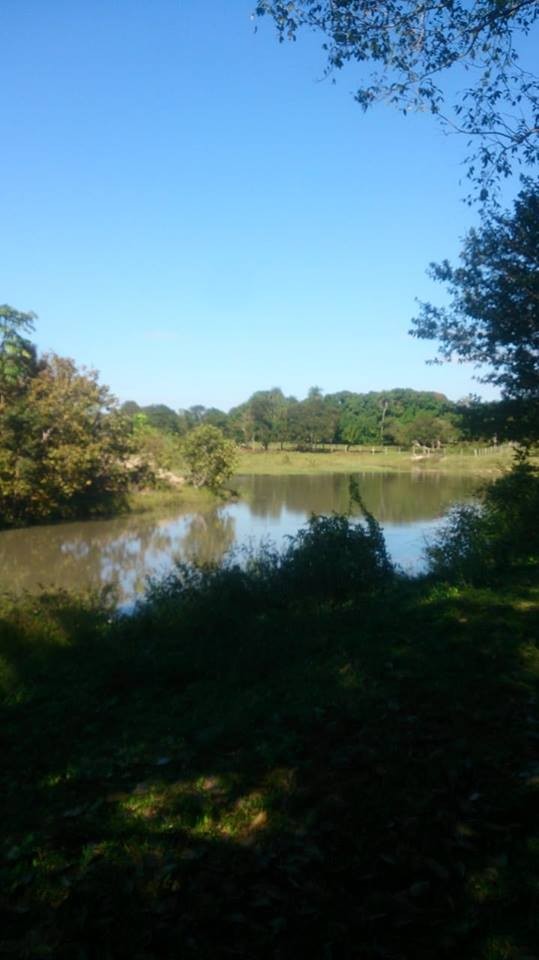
(149, 501)
(298, 760)
(487, 461)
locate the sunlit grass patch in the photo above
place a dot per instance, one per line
(371, 459)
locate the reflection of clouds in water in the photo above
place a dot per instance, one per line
(76, 549)
(125, 551)
(405, 541)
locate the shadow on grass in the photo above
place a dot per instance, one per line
(244, 775)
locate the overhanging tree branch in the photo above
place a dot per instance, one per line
(409, 44)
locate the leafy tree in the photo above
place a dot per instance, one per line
(63, 446)
(425, 429)
(411, 45)
(17, 353)
(357, 417)
(262, 419)
(496, 421)
(211, 458)
(479, 543)
(162, 417)
(492, 318)
(155, 449)
(281, 418)
(198, 414)
(354, 430)
(314, 420)
(216, 418)
(364, 418)
(260, 407)
(267, 409)
(241, 424)
(195, 415)
(130, 408)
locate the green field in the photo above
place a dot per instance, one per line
(487, 461)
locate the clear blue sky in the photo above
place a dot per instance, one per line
(191, 210)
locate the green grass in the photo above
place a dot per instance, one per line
(337, 460)
(151, 500)
(243, 772)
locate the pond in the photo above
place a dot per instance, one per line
(123, 552)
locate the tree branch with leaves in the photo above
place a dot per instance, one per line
(405, 50)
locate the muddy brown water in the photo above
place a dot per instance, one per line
(123, 552)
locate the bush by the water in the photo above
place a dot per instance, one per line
(330, 558)
(210, 457)
(481, 541)
(294, 755)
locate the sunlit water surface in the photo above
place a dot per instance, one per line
(125, 551)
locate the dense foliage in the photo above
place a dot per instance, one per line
(399, 416)
(333, 558)
(210, 457)
(17, 353)
(411, 45)
(63, 443)
(480, 542)
(492, 318)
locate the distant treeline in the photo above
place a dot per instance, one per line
(68, 450)
(399, 417)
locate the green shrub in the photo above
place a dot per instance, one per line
(211, 458)
(480, 542)
(335, 557)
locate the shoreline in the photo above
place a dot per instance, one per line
(286, 463)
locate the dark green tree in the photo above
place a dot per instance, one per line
(162, 417)
(314, 420)
(216, 418)
(130, 408)
(411, 45)
(267, 411)
(492, 319)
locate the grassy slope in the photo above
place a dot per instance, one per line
(338, 461)
(352, 780)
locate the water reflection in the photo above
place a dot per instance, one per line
(124, 551)
(121, 553)
(392, 498)
(209, 536)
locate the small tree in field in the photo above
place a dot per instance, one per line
(211, 458)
